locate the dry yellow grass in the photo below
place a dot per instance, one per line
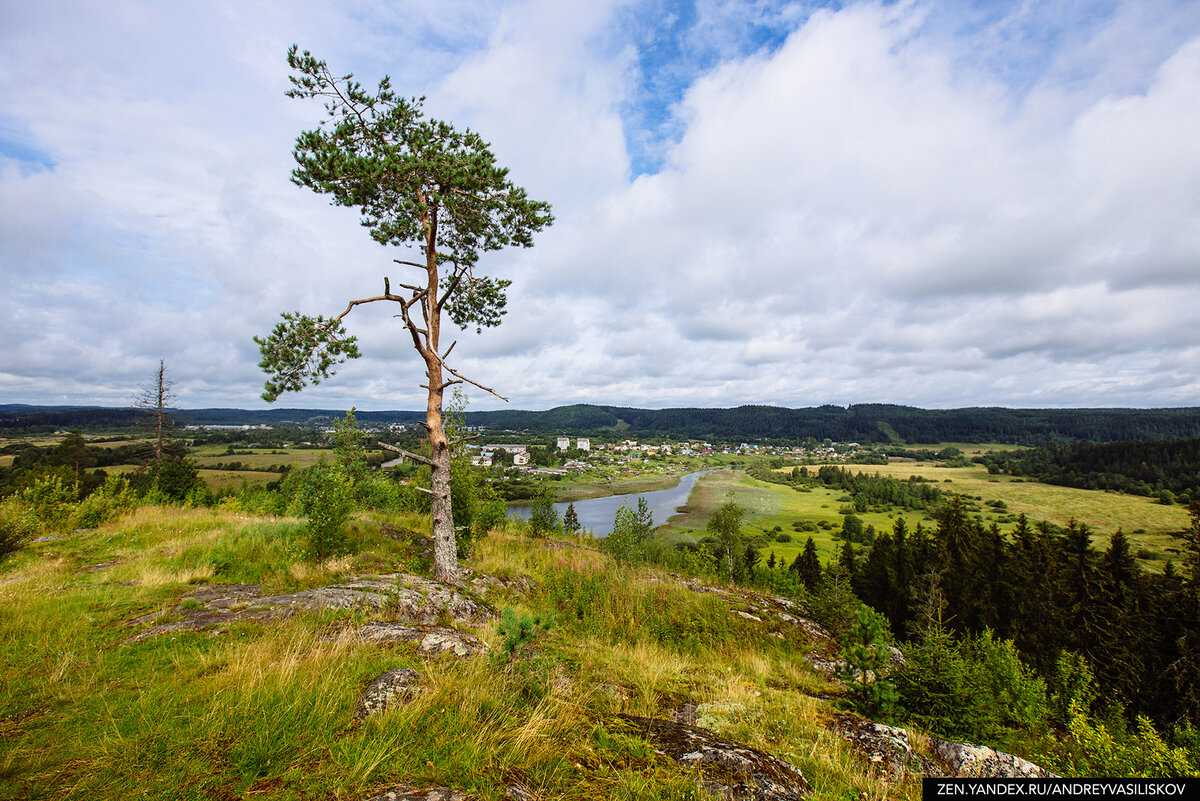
(1105, 512)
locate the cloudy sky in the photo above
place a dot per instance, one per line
(930, 203)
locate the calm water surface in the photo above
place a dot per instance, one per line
(596, 514)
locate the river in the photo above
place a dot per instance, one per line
(596, 514)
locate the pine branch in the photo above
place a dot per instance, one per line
(416, 457)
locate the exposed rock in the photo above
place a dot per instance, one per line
(408, 598)
(432, 640)
(825, 664)
(730, 770)
(686, 715)
(199, 619)
(887, 748)
(372, 595)
(519, 792)
(977, 761)
(96, 568)
(427, 794)
(226, 596)
(388, 689)
(483, 584)
(420, 600)
(761, 608)
(896, 753)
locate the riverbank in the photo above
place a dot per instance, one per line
(585, 488)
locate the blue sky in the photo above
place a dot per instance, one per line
(935, 203)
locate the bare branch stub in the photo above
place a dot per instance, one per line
(416, 457)
(472, 382)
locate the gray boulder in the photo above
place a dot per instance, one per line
(894, 752)
(389, 689)
(727, 769)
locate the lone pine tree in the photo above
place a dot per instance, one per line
(421, 184)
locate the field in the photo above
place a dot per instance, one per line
(771, 505)
(257, 458)
(1143, 518)
(1148, 524)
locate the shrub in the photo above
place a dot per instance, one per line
(109, 502)
(492, 514)
(18, 525)
(543, 517)
(783, 537)
(50, 500)
(324, 498)
(1093, 750)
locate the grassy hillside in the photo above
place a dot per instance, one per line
(266, 710)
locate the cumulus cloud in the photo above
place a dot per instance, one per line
(765, 202)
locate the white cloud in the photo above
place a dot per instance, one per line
(890, 205)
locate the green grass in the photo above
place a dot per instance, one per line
(219, 479)
(265, 711)
(770, 505)
(206, 456)
(1148, 524)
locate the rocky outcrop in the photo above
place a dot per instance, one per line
(894, 753)
(727, 769)
(431, 640)
(887, 749)
(515, 792)
(407, 598)
(977, 761)
(389, 689)
(427, 794)
(778, 614)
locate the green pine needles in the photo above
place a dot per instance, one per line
(425, 186)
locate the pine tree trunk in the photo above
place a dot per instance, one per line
(445, 549)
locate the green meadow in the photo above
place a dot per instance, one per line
(1148, 523)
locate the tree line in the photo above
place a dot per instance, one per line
(866, 423)
(1167, 469)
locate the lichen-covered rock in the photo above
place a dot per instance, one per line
(200, 619)
(485, 584)
(431, 640)
(404, 597)
(894, 751)
(887, 749)
(420, 600)
(963, 760)
(426, 794)
(366, 594)
(727, 769)
(387, 690)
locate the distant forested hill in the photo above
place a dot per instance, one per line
(858, 423)
(862, 423)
